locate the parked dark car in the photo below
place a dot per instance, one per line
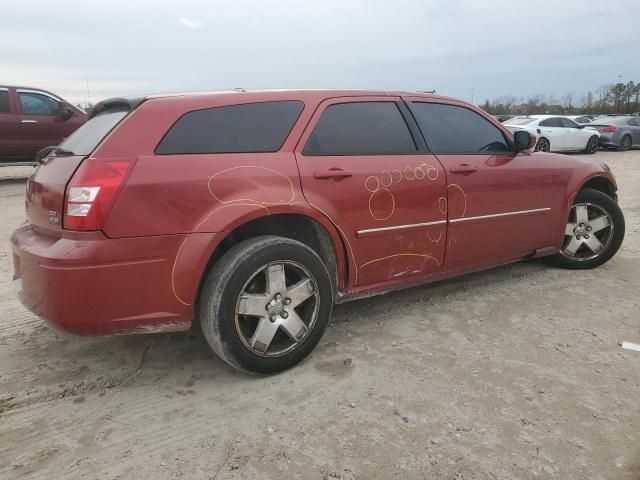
(31, 119)
(252, 213)
(621, 132)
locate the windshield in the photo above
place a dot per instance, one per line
(520, 121)
(89, 135)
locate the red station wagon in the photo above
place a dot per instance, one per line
(31, 119)
(254, 212)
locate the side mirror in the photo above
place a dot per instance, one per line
(581, 125)
(523, 140)
(65, 112)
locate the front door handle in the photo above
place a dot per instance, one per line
(464, 169)
(337, 173)
(29, 121)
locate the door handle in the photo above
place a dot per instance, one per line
(324, 174)
(463, 168)
(29, 121)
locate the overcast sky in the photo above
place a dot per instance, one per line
(495, 47)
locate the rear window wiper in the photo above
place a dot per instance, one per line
(62, 152)
(57, 151)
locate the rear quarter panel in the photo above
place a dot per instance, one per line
(194, 195)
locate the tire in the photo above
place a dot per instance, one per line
(625, 143)
(592, 145)
(543, 145)
(593, 231)
(237, 286)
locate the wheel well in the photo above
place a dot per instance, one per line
(601, 184)
(294, 226)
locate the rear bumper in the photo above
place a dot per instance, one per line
(87, 284)
(608, 140)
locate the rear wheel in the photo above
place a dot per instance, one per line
(625, 143)
(594, 231)
(265, 304)
(543, 145)
(592, 145)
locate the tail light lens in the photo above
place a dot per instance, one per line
(609, 129)
(92, 191)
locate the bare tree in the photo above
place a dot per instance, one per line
(567, 101)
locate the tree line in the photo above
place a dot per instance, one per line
(618, 98)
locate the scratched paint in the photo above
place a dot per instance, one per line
(382, 202)
(228, 194)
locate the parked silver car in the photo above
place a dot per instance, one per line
(621, 132)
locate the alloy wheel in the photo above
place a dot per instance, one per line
(592, 145)
(277, 308)
(588, 232)
(542, 145)
(626, 143)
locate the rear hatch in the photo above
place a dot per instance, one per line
(45, 196)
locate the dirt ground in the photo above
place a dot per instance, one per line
(511, 373)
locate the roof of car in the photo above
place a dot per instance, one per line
(260, 95)
(301, 92)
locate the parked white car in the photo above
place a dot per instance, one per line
(557, 133)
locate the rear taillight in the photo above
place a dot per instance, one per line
(91, 192)
(609, 129)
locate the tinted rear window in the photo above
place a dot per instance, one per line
(551, 122)
(4, 102)
(246, 128)
(361, 128)
(89, 135)
(453, 129)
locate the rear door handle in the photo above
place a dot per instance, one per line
(463, 168)
(29, 121)
(324, 174)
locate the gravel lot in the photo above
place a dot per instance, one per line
(511, 373)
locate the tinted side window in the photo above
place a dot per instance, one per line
(568, 123)
(4, 102)
(36, 104)
(551, 122)
(632, 122)
(449, 128)
(251, 127)
(361, 128)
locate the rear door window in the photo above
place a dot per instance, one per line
(4, 102)
(551, 122)
(360, 128)
(37, 104)
(86, 138)
(246, 128)
(568, 123)
(454, 129)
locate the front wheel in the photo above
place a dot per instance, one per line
(265, 304)
(594, 231)
(543, 145)
(592, 145)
